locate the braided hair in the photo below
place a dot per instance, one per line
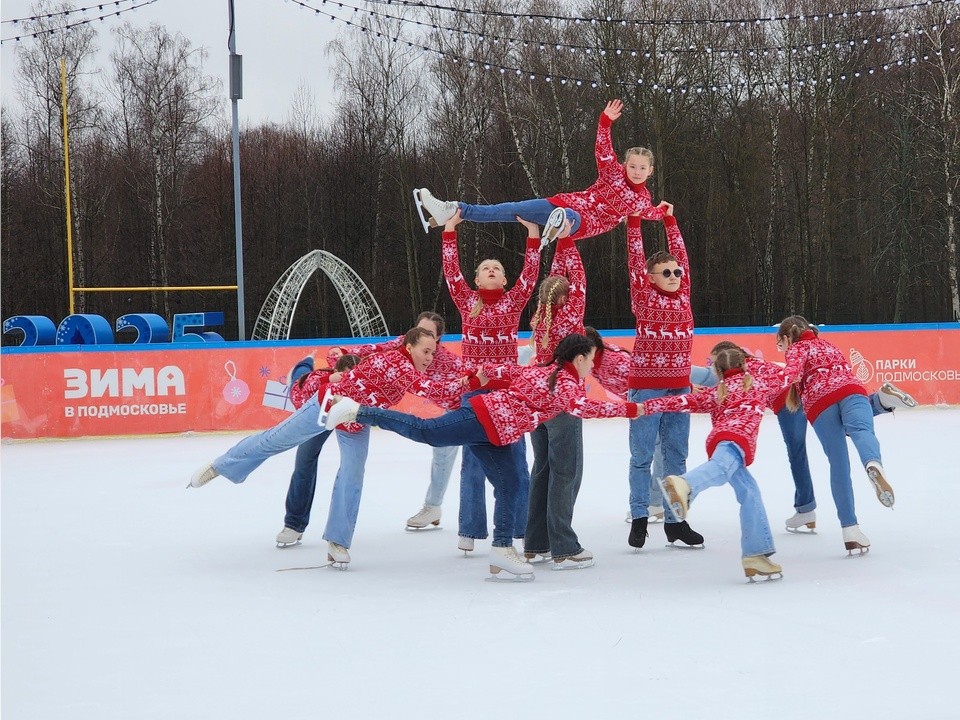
(729, 359)
(551, 289)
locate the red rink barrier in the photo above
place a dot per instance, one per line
(149, 389)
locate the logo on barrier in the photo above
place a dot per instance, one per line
(862, 368)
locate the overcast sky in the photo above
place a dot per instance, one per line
(282, 46)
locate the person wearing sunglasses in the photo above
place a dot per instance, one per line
(660, 366)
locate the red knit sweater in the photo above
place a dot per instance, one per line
(612, 197)
(738, 417)
(662, 348)
(611, 368)
(491, 335)
(507, 414)
(822, 373)
(380, 380)
(568, 318)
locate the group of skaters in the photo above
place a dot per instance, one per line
(492, 402)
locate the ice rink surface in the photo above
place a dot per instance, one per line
(125, 595)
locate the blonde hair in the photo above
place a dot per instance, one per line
(551, 289)
(645, 152)
(730, 359)
(792, 328)
(478, 305)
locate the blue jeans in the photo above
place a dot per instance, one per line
(536, 210)
(674, 431)
(440, 471)
(303, 483)
(851, 416)
(793, 427)
(461, 427)
(726, 466)
(250, 453)
(473, 495)
(554, 485)
(348, 487)
(699, 375)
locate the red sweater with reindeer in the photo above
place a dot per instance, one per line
(822, 373)
(662, 348)
(380, 380)
(603, 205)
(735, 419)
(611, 368)
(446, 366)
(557, 322)
(490, 336)
(508, 414)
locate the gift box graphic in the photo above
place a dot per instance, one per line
(277, 395)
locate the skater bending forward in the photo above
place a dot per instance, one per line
(736, 408)
(489, 423)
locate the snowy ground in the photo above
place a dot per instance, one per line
(127, 596)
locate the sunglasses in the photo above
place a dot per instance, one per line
(678, 272)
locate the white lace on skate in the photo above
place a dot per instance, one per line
(505, 559)
(582, 559)
(803, 523)
(855, 542)
(288, 537)
(429, 516)
(893, 398)
(202, 476)
(338, 555)
(879, 481)
(761, 566)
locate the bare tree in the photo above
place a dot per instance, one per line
(164, 102)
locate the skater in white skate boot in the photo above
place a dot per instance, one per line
(836, 405)
(558, 442)
(736, 408)
(303, 481)
(490, 318)
(490, 422)
(380, 379)
(620, 190)
(660, 366)
(793, 427)
(444, 364)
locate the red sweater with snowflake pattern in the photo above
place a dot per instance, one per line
(528, 401)
(737, 418)
(558, 322)
(662, 348)
(491, 335)
(444, 367)
(380, 380)
(603, 205)
(822, 373)
(611, 368)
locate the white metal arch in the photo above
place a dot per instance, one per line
(276, 315)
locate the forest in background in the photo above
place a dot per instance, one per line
(813, 161)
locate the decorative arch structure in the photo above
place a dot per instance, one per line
(276, 315)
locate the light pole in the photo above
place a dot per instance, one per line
(236, 92)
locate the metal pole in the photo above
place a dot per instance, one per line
(66, 173)
(236, 92)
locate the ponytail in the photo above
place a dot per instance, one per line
(567, 349)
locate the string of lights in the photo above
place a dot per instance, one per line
(50, 16)
(668, 88)
(508, 41)
(69, 26)
(726, 22)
